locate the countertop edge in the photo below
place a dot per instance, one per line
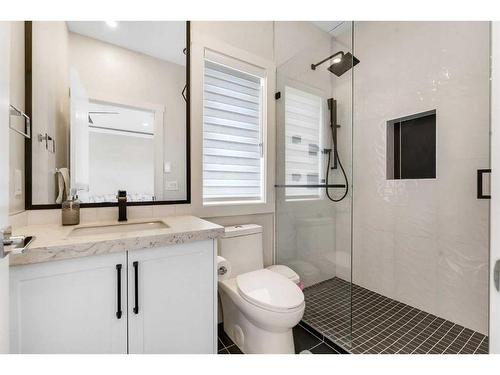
(45, 254)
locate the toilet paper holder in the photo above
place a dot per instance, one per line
(222, 270)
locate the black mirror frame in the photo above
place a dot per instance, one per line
(28, 142)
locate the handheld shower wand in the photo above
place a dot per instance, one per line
(332, 107)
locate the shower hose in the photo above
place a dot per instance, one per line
(336, 154)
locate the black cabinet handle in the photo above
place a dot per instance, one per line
(136, 287)
(119, 290)
(480, 194)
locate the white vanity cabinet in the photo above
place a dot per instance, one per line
(172, 298)
(70, 306)
(167, 296)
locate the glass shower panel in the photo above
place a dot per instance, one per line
(314, 151)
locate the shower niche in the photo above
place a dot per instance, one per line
(411, 147)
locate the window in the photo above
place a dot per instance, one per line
(303, 154)
(411, 147)
(233, 128)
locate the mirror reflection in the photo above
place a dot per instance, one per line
(108, 111)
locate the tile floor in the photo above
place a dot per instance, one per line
(303, 340)
(381, 324)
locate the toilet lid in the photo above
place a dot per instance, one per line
(269, 290)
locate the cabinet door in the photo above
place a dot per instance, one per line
(70, 306)
(172, 298)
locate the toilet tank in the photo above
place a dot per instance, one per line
(241, 245)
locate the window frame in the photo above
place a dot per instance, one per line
(321, 141)
(201, 43)
(247, 68)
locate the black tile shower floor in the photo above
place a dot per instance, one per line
(303, 340)
(381, 324)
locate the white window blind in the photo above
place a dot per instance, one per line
(232, 135)
(303, 154)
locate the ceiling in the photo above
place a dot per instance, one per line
(331, 27)
(164, 40)
(126, 120)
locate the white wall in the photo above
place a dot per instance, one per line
(423, 242)
(119, 75)
(121, 161)
(50, 107)
(16, 158)
(255, 37)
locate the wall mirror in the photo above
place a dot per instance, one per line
(109, 108)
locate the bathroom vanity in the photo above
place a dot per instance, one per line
(146, 286)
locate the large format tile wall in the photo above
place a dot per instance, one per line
(423, 242)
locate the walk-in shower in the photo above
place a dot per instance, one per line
(390, 265)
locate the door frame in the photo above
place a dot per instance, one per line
(494, 305)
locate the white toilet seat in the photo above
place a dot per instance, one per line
(271, 318)
(270, 291)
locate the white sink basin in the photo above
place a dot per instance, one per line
(117, 228)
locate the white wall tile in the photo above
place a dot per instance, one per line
(163, 210)
(88, 215)
(183, 209)
(424, 242)
(139, 212)
(36, 217)
(19, 220)
(107, 213)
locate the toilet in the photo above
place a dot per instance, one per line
(259, 306)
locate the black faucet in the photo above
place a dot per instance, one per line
(122, 205)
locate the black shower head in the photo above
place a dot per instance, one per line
(343, 64)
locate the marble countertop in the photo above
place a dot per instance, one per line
(53, 242)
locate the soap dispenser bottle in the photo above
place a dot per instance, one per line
(71, 210)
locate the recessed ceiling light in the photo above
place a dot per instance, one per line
(112, 24)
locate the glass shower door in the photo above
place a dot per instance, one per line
(313, 156)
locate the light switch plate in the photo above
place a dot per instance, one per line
(171, 186)
(167, 167)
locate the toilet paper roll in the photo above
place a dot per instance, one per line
(223, 268)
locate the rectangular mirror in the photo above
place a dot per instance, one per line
(109, 109)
